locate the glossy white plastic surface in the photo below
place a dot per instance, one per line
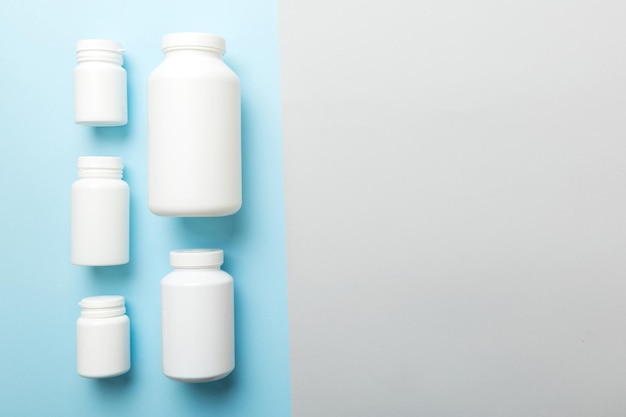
(100, 97)
(102, 338)
(100, 213)
(197, 321)
(194, 130)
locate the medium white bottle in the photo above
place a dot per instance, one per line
(100, 84)
(197, 317)
(103, 337)
(100, 211)
(194, 130)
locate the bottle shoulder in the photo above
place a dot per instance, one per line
(102, 183)
(98, 65)
(193, 67)
(106, 321)
(197, 277)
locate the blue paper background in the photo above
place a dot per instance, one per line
(39, 145)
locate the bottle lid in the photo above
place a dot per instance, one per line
(193, 40)
(99, 45)
(100, 162)
(196, 257)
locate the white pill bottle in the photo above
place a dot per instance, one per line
(197, 317)
(194, 130)
(100, 97)
(100, 212)
(103, 337)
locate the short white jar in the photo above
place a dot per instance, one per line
(100, 84)
(197, 317)
(100, 212)
(103, 337)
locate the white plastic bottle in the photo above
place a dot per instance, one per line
(100, 84)
(103, 337)
(100, 211)
(197, 317)
(194, 130)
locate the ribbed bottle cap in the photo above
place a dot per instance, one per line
(99, 45)
(100, 162)
(196, 257)
(193, 40)
(102, 301)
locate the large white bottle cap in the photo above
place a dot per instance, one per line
(196, 257)
(193, 40)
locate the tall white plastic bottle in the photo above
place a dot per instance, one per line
(194, 130)
(100, 212)
(100, 97)
(197, 317)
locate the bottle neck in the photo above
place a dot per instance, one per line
(114, 174)
(197, 268)
(193, 51)
(90, 55)
(103, 313)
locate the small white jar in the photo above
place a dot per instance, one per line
(197, 317)
(103, 337)
(100, 212)
(100, 84)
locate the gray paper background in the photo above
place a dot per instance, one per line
(455, 180)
